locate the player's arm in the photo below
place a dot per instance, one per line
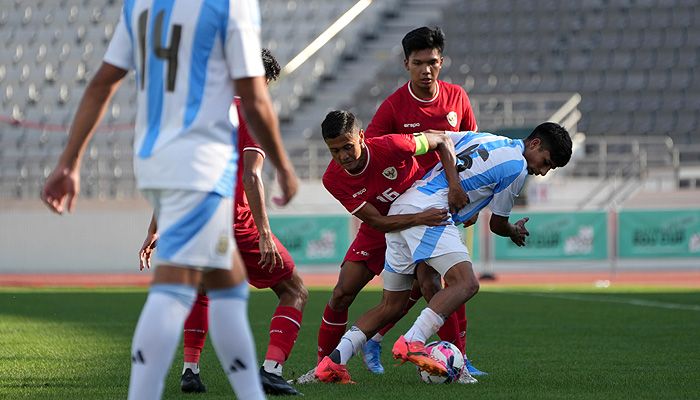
(261, 119)
(149, 244)
(501, 205)
(63, 185)
(254, 190)
(388, 223)
(517, 232)
(439, 141)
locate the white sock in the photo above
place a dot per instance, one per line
(230, 333)
(193, 366)
(351, 342)
(378, 337)
(272, 367)
(427, 323)
(156, 336)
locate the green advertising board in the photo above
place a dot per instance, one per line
(659, 233)
(558, 236)
(313, 239)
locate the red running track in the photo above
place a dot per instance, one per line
(680, 278)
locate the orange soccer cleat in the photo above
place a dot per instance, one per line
(415, 353)
(329, 372)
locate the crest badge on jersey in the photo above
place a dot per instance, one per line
(452, 118)
(390, 173)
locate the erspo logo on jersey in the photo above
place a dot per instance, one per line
(359, 193)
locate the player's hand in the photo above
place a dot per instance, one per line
(433, 217)
(61, 189)
(520, 232)
(457, 199)
(471, 221)
(147, 250)
(289, 183)
(270, 257)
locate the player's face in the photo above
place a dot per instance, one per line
(424, 68)
(539, 160)
(347, 150)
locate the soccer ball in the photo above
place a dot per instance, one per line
(450, 355)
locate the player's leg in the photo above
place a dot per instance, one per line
(229, 329)
(430, 283)
(353, 277)
(284, 329)
(195, 334)
(157, 333)
(396, 292)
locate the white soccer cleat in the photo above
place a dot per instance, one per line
(309, 377)
(466, 378)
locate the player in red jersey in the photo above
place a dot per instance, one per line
(366, 176)
(268, 265)
(424, 102)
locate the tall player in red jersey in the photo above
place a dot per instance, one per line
(424, 102)
(366, 176)
(267, 262)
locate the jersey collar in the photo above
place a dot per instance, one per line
(366, 165)
(421, 100)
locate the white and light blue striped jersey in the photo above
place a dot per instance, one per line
(492, 170)
(186, 54)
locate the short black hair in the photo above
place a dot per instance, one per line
(554, 138)
(272, 67)
(423, 38)
(339, 122)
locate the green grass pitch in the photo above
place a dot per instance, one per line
(536, 344)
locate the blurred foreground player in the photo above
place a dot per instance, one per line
(189, 57)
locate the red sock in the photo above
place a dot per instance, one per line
(333, 325)
(196, 327)
(449, 331)
(412, 300)
(462, 324)
(284, 328)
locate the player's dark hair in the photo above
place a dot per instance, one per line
(338, 122)
(272, 67)
(555, 139)
(423, 38)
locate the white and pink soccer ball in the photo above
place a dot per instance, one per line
(449, 354)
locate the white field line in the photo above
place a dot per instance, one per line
(607, 299)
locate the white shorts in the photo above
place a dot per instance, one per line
(405, 249)
(195, 228)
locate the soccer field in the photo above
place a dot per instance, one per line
(536, 343)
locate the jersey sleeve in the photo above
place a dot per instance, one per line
(340, 192)
(383, 121)
(398, 147)
(245, 140)
(242, 40)
(120, 51)
(468, 118)
(505, 194)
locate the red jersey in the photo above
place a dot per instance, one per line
(390, 170)
(403, 112)
(243, 218)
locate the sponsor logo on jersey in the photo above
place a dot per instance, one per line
(452, 118)
(359, 193)
(390, 173)
(222, 245)
(412, 125)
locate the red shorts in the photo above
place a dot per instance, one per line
(368, 247)
(249, 246)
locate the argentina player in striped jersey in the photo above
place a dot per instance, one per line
(492, 170)
(190, 58)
